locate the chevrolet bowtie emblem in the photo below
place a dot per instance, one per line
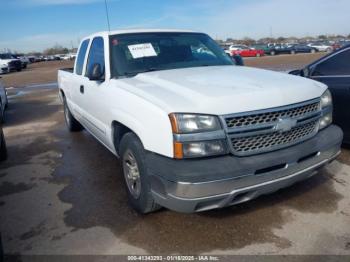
(285, 124)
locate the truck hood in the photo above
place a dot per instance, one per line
(220, 89)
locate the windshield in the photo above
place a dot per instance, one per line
(143, 52)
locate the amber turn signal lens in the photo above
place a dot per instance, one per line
(174, 125)
(178, 151)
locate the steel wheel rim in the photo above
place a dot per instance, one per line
(132, 174)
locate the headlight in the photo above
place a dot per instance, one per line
(195, 136)
(326, 106)
(203, 149)
(326, 99)
(193, 123)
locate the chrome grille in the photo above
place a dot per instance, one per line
(267, 142)
(267, 130)
(270, 117)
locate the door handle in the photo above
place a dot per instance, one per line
(82, 89)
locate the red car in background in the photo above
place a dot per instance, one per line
(248, 52)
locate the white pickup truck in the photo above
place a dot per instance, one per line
(195, 132)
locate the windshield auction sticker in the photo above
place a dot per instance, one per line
(142, 50)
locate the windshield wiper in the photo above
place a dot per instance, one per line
(132, 74)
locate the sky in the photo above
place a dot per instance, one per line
(33, 25)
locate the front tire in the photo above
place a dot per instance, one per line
(136, 175)
(292, 52)
(72, 124)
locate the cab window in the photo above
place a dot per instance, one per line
(96, 55)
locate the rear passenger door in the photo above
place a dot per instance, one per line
(334, 71)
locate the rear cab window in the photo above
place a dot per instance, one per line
(81, 57)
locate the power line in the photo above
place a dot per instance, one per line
(109, 27)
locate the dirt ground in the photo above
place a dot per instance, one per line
(46, 72)
(63, 193)
(36, 73)
(283, 62)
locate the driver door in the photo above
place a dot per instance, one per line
(92, 92)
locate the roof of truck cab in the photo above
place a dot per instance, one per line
(133, 31)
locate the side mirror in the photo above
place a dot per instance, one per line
(238, 60)
(95, 73)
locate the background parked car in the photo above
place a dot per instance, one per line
(247, 52)
(24, 60)
(334, 71)
(237, 47)
(321, 47)
(301, 48)
(267, 49)
(13, 64)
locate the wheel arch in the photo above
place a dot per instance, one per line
(119, 130)
(62, 94)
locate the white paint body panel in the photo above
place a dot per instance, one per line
(143, 102)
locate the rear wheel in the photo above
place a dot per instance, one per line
(136, 175)
(313, 51)
(272, 53)
(258, 55)
(292, 52)
(72, 124)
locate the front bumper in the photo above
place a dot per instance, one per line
(203, 184)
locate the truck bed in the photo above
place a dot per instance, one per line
(68, 69)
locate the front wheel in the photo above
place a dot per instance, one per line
(313, 51)
(272, 53)
(292, 52)
(136, 176)
(258, 55)
(72, 124)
